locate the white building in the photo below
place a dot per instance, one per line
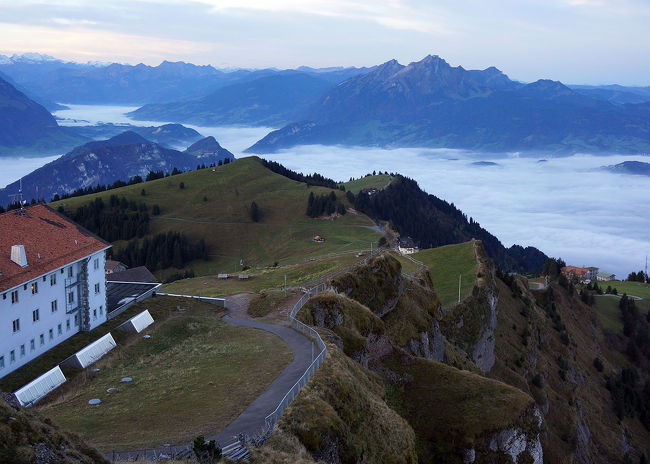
(52, 283)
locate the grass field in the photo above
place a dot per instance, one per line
(610, 314)
(214, 205)
(262, 278)
(192, 377)
(631, 288)
(408, 266)
(158, 307)
(380, 181)
(446, 264)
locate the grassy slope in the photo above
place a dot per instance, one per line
(631, 288)
(610, 313)
(408, 266)
(571, 386)
(22, 430)
(283, 234)
(262, 278)
(187, 380)
(446, 264)
(380, 181)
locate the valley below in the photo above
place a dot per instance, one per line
(546, 202)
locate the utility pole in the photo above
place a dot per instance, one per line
(460, 278)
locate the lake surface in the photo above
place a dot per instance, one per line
(567, 207)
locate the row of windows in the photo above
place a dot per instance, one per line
(34, 285)
(41, 338)
(36, 314)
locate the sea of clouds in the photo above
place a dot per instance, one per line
(568, 207)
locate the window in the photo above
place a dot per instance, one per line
(53, 305)
(2, 362)
(59, 329)
(4, 296)
(67, 324)
(35, 315)
(16, 325)
(22, 350)
(76, 320)
(14, 296)
(44, 278)
(101, 310)
(12, 356)
(96, 288)
(32, 345)
(52, 279)
(94, 314)
(70, 271)
(96, 263)
(71, 297)
(42, 339)
(34, 288)
(51, 334)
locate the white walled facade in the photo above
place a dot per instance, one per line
(42, 312)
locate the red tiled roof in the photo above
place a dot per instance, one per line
(574, 269)
(42, 231)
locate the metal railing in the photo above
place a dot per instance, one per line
(309, 332)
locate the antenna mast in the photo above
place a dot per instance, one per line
(19, 196)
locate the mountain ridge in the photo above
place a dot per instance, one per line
(103, 162)
(431, 104)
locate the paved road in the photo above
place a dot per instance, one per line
(251, 420)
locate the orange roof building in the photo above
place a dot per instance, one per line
(52, 283)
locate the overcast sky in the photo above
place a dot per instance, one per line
(575, 41)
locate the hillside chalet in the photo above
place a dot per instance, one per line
(407, 246)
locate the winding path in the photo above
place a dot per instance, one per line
(251, 420)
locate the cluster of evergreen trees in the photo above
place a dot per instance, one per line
(311, 179)
(631, 396)
(121, 220)
(638, 277)
(636, 329)
(80, 192)
(324, 204)
(433, 222)
(162, 251)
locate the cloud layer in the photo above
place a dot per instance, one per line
(567, 207)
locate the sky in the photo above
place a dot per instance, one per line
(574, 41)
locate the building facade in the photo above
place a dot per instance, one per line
(52, 283)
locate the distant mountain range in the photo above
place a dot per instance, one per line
(425, 104)
(167, 135)
(116, 83)
(103, 162)
(614, 93)
(267, 101)
(431, 104)
(26, 124)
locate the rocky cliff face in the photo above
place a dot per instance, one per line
(28, 438)
(471, 324)
(388, 323)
